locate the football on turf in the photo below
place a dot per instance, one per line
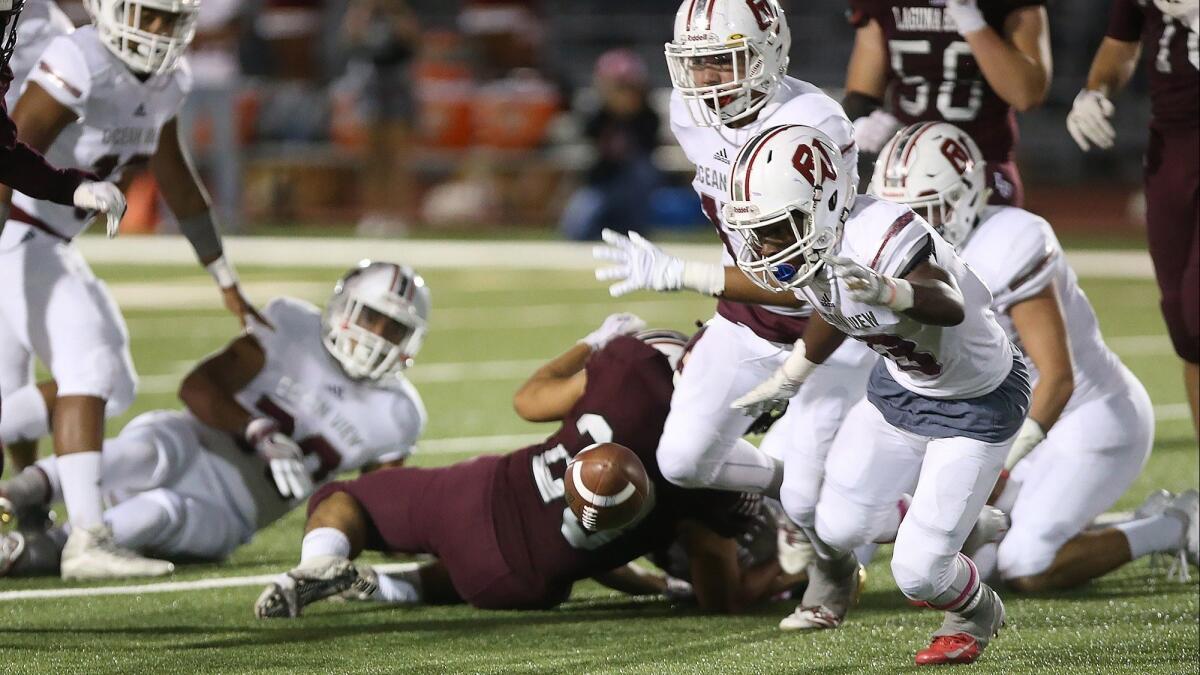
(606, 486)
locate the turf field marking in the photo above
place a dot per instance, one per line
(341, 253)
(168, 586)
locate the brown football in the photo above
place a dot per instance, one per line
(606, 486)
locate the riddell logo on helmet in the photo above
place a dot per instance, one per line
(700, 37)
(743, 210)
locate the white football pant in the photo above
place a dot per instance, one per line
(871, 464)
(1089, 459)
(55, 307)
(702, 444)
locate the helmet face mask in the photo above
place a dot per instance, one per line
(376, 321)
(935, 169)
(727, 57)
(791, 198)
(149, 36)
(10, 12)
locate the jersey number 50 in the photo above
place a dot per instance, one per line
(917, 105)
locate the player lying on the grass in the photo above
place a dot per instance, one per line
(276, 411)
(105, 99)
(1091, 424)
(942, 407)
(499, 525)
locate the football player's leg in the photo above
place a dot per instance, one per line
(26, 416)
(1098, 449)
(163, 522)
(956, 479)
(1172, 180)
(702, 444)
(805, 433)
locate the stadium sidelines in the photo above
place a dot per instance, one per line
(320, 252)
(168, 586)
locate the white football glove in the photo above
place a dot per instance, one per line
(622, 323)
(869, 287)
(104, 197)
(966, 15)
(1089, 122)
(1028, 437)
(780, 386)
(642, 265)
(282, 455)
(872, 132)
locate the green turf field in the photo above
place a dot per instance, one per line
(489, 329)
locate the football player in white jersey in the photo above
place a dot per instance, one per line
(41, 22)
(276, 412)
(728, 62)
(942, 406)
(104, 98)
(1091, 424)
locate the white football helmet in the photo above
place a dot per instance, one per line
(1186, 12)
(935, 169)
(376, 320)
(150, 36)
(727, 57)
(791, 195)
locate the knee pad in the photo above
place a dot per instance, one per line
(104, 372)
(845, 528)
(921, 575)
(25, 416)
(1024, 553)
(146, 520)
(682, 464)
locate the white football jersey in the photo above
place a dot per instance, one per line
(41, 21)
(713, 149)
(1032, 258)
(344, 423)
(963, 361)
(119, 117)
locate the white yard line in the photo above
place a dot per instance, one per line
(168, 586)
(460, 255)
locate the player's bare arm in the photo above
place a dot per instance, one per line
(936, 298)
(1113, 65)
(866, 73)
(185, 194)
(1017, 64)
(39, 119)
(208, 390)
(1043, 331)
(631, 579)
(821, 339)
(739, 288)
(554, 388)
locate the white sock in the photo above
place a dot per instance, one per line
(400, 591)
(1152, 535)
(324, 541)
(79, 475)
(49, 467)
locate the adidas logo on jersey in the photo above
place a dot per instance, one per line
(140, 111)
(722, 156)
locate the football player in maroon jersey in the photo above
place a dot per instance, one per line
(1167, 32)
(973, 63)
(499, 525)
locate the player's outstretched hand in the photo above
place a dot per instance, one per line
(622, 323)
(104, 197)
(240, 307)
(966, 15)
(782, 385)
(1088, 122)
(872, 132)
(282, 455)
(639, 264)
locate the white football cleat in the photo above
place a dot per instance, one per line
(92, 554)
(317, 579)
(819, 616)
(1187, 507)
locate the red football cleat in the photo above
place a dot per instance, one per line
(950, 649)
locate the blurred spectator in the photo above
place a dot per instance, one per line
(381, 39)
(623, 132)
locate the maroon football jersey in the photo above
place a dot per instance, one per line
(932, 75)
(1171, 54)
(626, 400)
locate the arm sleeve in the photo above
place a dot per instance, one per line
(25, 170)
(1034, 253)
(1125, 20)
(63, 72)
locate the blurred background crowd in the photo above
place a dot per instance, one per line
(397, 116)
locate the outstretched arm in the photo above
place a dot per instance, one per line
(1017, 64)
(208, 390)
